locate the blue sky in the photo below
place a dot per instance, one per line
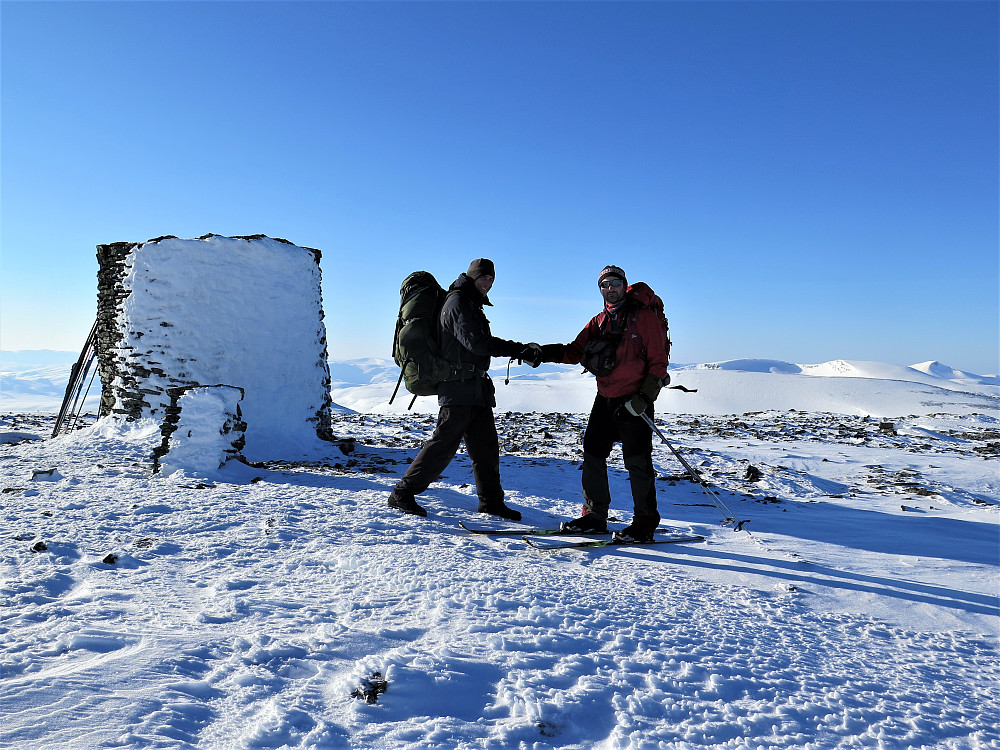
(798, 180)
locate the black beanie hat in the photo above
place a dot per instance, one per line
(612, 271)
(481, 267)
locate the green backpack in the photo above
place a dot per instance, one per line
(416, 345)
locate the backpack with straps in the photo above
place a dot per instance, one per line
(600, 354)
(416, 344)
(646, 297)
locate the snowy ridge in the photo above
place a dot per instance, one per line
(945, 372)
(733, 387)
(33, 387)
(933, 373)
(730, 387)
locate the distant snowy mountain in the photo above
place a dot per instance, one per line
(750, 365)
(33, 387)
(36, 357)
(734, 386)
(938, 370)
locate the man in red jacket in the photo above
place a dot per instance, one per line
(626, 347)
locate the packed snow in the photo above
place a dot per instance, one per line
(282, 604)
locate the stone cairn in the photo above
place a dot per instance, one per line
(120, 374)
(141, 379)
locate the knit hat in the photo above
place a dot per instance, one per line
(480, 267)
(612, 271)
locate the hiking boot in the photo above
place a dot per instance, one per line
(500, 509)
(638, 533)
(406, 503)
(587, 524)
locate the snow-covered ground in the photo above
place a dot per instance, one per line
(242, 608)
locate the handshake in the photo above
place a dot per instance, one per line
(530, 354)
(534, 354)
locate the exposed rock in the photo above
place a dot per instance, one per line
(371, 688)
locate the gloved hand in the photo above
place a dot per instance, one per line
(647, 394)
(651, 386)
(531, 354)
(638, 404)
(553, 352)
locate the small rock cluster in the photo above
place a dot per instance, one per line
(371, 688)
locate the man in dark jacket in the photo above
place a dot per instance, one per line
(466, 405)
(626, 347)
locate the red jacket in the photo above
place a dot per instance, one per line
(642, 351)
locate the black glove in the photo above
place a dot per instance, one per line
(553, 352)
(638, 404)
(531, 354)
(651, 387)
(647, 394)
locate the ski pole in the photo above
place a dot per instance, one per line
(690, 469)
(730, 517)
(398, 381)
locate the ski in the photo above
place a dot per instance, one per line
(554, 545)
(516, 532)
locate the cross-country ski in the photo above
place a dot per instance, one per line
(557, 544)
(510, 531)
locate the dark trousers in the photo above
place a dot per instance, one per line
(475, 425)
(610, 423)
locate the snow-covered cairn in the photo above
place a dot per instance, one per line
(238, 311)
(203, 429)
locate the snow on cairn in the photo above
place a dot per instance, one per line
(203, 429)
(245, 312)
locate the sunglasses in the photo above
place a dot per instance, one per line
(611, 283)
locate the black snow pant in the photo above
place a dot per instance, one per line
(475, 425)
(610, 423)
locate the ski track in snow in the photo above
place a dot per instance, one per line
(860, 611)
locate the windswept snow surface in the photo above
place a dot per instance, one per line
(242, 608)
